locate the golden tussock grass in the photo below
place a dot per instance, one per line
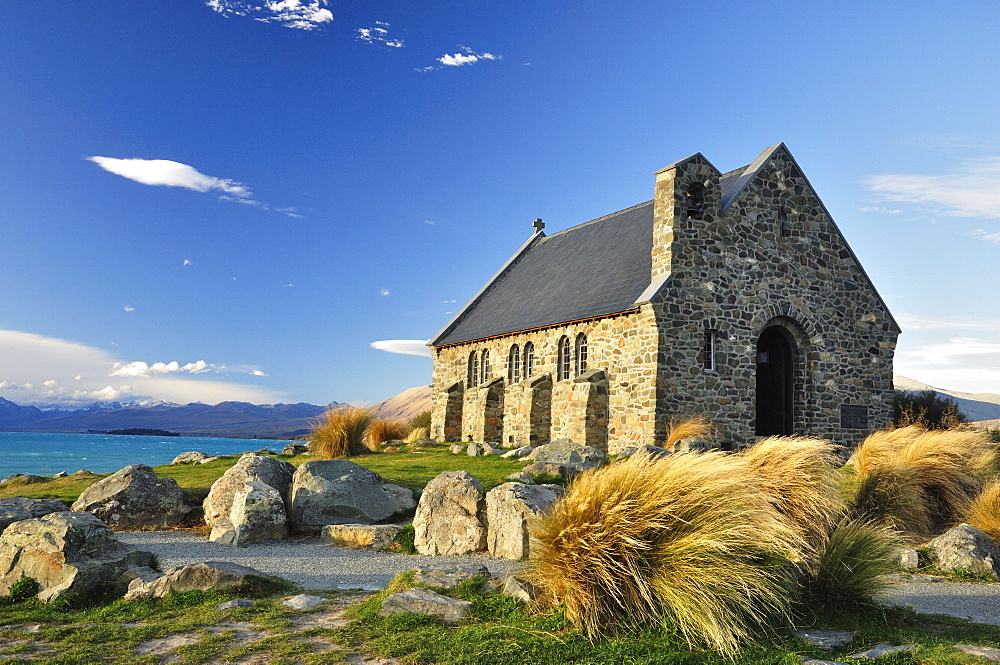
(984, 511)
(416, 434)
(687, 539)
(341, 433)
(798, 475)
(381, 430)
(692, 428)
(919, 480)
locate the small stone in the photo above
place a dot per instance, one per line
(827, 640)
(880, 650)
(234, 603)
(425, 602)
(61, 474)
(294, 449)
(991, 654)
(448, 577)
(909, 559)
(303, 601)
(519, 588)
(479, 449)
(521, 477)
(456, 449)
(518, 453)
(815, 661)
(190, 457)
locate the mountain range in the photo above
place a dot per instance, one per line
(225, 419)
(975, 407)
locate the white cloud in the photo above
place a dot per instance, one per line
(383, 292)
(187, 262)
(913, 322)
(140, 368)
(429, 221)
(27, 359)
(297, 14)
(409, 347)
(985, 235)
(466, 57)
(257, 372)
(968, 364)
(290, 211)
(129, 308)
(378, 34)
(169, 174)
(972, 189)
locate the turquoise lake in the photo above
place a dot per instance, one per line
(46, 454)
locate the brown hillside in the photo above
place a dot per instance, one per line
(406, 404)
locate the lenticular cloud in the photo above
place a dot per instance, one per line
(408, 347)
(169, 173)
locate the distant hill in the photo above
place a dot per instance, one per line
(975, 406)
(406, 404)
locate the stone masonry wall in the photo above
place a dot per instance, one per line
(618, 403)
(774, 257)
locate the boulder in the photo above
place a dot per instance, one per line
(449, 516)
(827, 640)
(303, 601)
(521, 477)
(61, 474)
(654, 452)
(692, 445)
(359, 536)
(518, 453)
(909, 558)
(294, 449)
(192, 457)
(564, 471)
(510, 508)
(268, 470)
(456, 448)
(22, 479)
(17, 508)
(448, 576)
(567, 453)
(425, 602)
(65, 552)
(133, 498)
(965, 547)
(211, 575)
(402, 498)
(520, 588)
(337, 492)
(258, 514)
(478, 449)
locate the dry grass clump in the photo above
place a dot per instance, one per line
(798, 475)
(341, 433)
(381, 430)
(692, 428)
(919, 480)
(687, 539)
(984, 511)
(416, 434)
(850, 566)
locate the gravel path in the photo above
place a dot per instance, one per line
(308, 563)
(977, 602)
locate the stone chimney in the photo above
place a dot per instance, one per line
(686, 195)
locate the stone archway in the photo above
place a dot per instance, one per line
(493, 413)
(776, 384)
(453, 413)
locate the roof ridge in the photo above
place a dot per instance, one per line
(599, 219)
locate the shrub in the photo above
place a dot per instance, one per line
(798, 475)
(687, 539)
(341, 433)
(925, 408)
(381, 430)
(984, 511)
(24, 589)
(416, 434)
(850, 567)
(422, 419)
(692, 428)
(918, 480)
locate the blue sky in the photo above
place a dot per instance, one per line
(233, 200)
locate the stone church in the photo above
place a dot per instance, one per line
(732, 296)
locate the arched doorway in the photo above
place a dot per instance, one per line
(453, 413)
(775, 382)
(493, 413)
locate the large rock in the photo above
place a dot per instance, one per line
(17, 508)
(402, 498)
(449, 517)
(337, 492)
(258, 514)
(965, 547)
(134, 497)
(64, 552)
(192, 457)
(510, 509)
(426, 602)
(251, 467)
(207, 576)
(567, 453)
(294, 449)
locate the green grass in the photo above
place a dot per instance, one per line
(412, 470)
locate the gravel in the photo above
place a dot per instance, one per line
(977, 602)
(306, 562)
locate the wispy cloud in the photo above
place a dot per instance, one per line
(169, 173)
(129, 308)
(983, 234)
(383, 292)
(257, 372)
(140, 368)
(187, 262)
(297, 14)
(917, 322)
(378, 34)
(408, 347)
(968, 364)
(971, 189)
(467, 56)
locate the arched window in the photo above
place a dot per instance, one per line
(529, 360)
(562, 359)
(580, 355)
(472, 379)
(514, 365)
(695, 196)
(484, 366)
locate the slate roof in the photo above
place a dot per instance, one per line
(589, 270)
